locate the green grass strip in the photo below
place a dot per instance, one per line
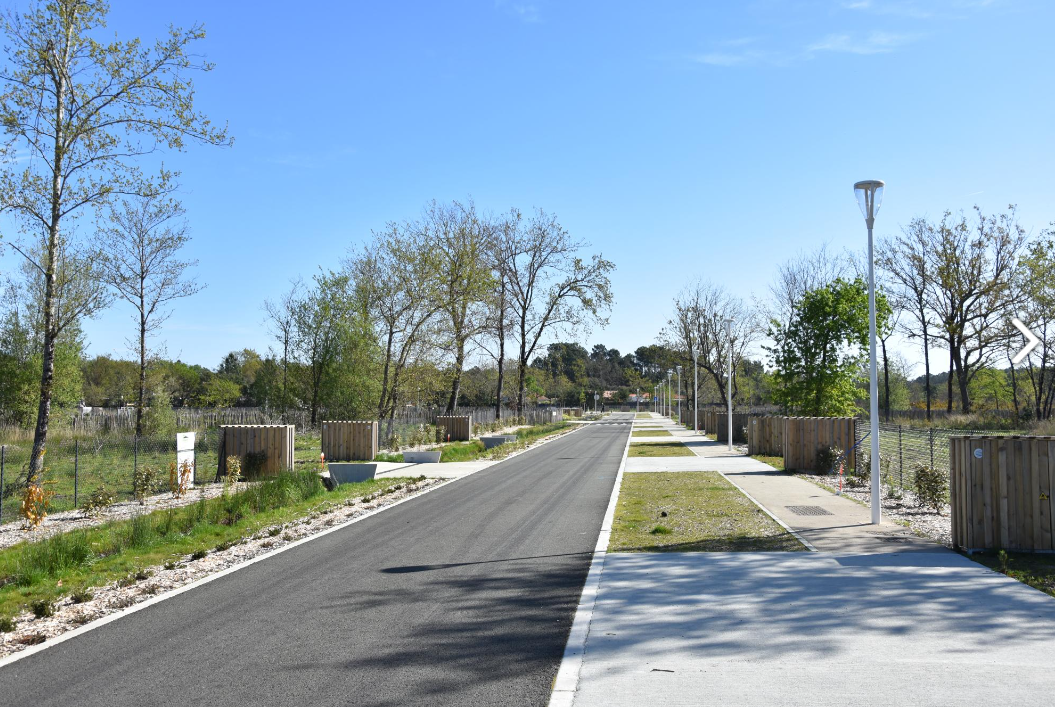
(651, 433)
(95, 556)
(692, 511)
(659, 449)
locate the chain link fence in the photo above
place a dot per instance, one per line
(902, 448)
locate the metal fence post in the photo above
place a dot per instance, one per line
(3, 453)
(76, 467)
(900, 459)
(931, 447)
(135, 455)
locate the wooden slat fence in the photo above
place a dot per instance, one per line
(458, 428)
(273, 442)
(1001, 492)
(765, 435)
(349, 440)
(805, 437)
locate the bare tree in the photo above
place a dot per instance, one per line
(809, 271)
(84, 111)
(282, 323)
(140, 262)
(907, 261)
(700, 311)
(550, 286)
(974, 269)
(459, 239)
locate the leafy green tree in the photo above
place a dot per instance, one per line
(221, 392)
(87, 111)
(819, 355)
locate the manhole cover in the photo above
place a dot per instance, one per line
(809, 511)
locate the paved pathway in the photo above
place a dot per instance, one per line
(877, 617)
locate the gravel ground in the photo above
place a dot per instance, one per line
(114, 597)
(936, 525)
(12, 533)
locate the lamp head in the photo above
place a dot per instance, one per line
(869, 195)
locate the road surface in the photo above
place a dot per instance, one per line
(463, 596)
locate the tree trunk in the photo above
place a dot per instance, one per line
(886, 381)
(47, 373)
(961, 381)
(141, 393)
(1014, 385)
(948, 404)
(456, 386)
(926, 370)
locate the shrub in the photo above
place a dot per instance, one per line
(393, 442)
(6, 624)
(144, 480)
(36, 500)
(98, 501)
(159, 419)
(233, 471)
(199, 554)
(828, 459)
(931, 486)
(81, 595)
(42, 608)
(661, 530)
(178, 479)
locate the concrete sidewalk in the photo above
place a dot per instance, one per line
(815, 629)
(877, 617)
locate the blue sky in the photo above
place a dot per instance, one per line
(682, 139)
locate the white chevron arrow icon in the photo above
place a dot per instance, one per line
(1031, 340)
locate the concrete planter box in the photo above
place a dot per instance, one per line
(348, 473)
(421, 457)
(494, 440)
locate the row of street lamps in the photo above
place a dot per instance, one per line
(869, 195)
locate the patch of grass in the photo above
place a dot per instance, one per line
(32, 573)
(661, 449)
(650, 433)
(643, 416)
(701, 512)
(1036, 570)
(389, 457)
(474, 449)
(775, 462)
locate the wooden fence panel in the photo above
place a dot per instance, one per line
(1000, 490)
(721, 426)
(806, 437)
(765, 435)
(349, 440)
(459, 428)
(274, 442)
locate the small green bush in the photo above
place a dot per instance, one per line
(98, 501)
(144, 481)
(931, 486)
(661, 530)
(42, 608)
(6, 624)
(80, 596)
(199, 554)
(828, 459)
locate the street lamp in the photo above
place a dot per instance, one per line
(670, 405)
(870, 197)
(679, 395)
(695, 393)
(729, 382)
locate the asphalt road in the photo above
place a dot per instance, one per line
(463, 596)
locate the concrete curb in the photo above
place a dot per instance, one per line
(98, 623)
(567, 680)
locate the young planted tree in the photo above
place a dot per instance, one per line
(281, 321)
(550, 287)
(1037, 280)
(84, 112)
(140, 261)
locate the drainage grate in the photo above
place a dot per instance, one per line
(809, 511)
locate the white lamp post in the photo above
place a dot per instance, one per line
(695, 393)
(670, 404)
(729, 381)
(679, 395)
(870, 197)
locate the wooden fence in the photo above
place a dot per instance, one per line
(1001, 492)
(765, 435)
(716, 422)
(805, 437)
(458, 428)
(264, 450)
(349, 440)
